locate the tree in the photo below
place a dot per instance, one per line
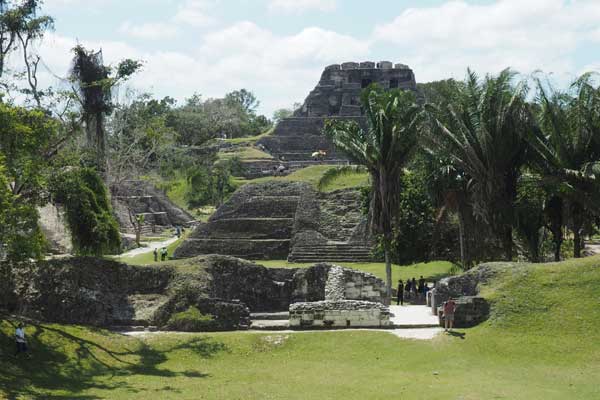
(27, 139)
(20, 27)
(93, 82)
(245, 98)
(139, 140)
(485, 133)
(384, 148)
(20, 234)
(566, 152)
(282, 114)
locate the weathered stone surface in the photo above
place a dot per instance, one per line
(80, 290)
(339, 314)
(55, 229)
(226, 314)
(255, 223)
(100, 292)
(470, 311)
(336, 95)
(144, 198)
(330, 227)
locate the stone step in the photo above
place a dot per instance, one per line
(274, 316)
(270, 325)
(253, 249)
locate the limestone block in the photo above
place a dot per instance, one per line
(385, 65)
(367, 65)
(350, 65)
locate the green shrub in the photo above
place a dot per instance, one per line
(89, 214)
(190, 320)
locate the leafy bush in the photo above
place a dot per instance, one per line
(190, 320)
(89, 213)
(20, 234)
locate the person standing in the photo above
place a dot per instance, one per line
(155, 252)
(400, 293)
(163, 254)
(414, 289)
(20, 339)
(449, 309)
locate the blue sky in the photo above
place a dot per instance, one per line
(278, 48)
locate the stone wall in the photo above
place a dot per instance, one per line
(80, 290)
(144, 198)
(470, 311)
(339, 314)
(90, 291)
(339, 89)
(53, 224)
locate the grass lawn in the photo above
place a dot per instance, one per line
(250, 139)
(148, 258)
(349, 180)
(245, 153)
(313, 175)
(542, 342)
(432, 271)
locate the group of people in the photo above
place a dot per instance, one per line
(418, 290)
(163, 252)
(413, 289)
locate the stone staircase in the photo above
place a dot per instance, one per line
(256, 223)
(331, 252)
(296, 138)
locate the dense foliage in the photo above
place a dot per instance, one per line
(88, 211)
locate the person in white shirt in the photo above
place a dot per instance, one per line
(20, 339)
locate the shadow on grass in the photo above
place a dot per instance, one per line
(460, 335)
(63, 362)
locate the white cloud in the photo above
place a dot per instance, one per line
(196, 13)
(279, 69)
(445, 40)
(300, 6)
(150, 30)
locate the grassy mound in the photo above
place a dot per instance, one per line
(542, 342)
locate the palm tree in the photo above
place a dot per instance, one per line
(567, 150)
(484, 133)
(384, 147)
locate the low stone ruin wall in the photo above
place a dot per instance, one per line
(339, 314)
(470, 311)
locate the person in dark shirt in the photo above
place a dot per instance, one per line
(421, 286)
(400, 293)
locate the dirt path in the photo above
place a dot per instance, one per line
(150, 247)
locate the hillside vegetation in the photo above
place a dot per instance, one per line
(541, 342)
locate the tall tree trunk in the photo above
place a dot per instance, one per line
(388, 272)
(577, 243)
(461, 240)
(507, 245)
(577, 216)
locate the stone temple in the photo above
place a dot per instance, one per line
(279, 220)
(337, 95)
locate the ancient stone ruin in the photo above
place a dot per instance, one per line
(337, 95)
(284, 220)
(137, 198)
(105, 293)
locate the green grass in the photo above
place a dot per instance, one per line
(432, 271)
(245, 154)
(310, 175)
(347, 181)
(542, 342)
(250, 139)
